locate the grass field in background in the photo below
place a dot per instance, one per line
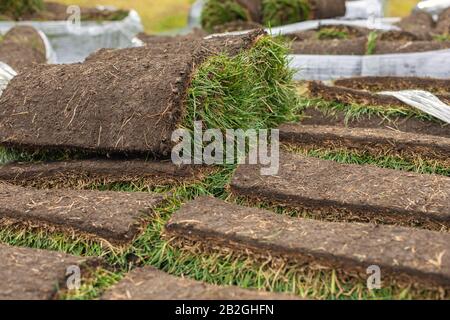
(163, 15)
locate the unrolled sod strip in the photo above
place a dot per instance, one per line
(131, 101)
(30, 274)
(403, 254)
(22, 47)
(329, 117)
(352, 96)
(149, 283)
(371, 140)
(347, 192)
(112, 216)
(377, 84)
(85, 173)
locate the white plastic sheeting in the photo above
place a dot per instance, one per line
(433, 6)
(6, 75)
(74, 44)
(356, 9)
(424, 101)
(329, 67)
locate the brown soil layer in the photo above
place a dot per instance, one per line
(313, 116)
(443, 24)
(377, 84)
(112, 216)
(192, 44)
(237, 26)
(350, 31)
(387, 47)
(157, 40)
(29, 274)
(403, 254)
(352, 96)
(87, 173)
(324, 9)
(330, 47)
(373, 141)
(148, 283)
(58, 12)
(22, 47)
(419, 23)
(345, 192)
(130, 101)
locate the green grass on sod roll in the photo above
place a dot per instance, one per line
(219, 12)
(282, 12)
(251, 90)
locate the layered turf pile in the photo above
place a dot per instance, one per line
(354, 187)
(271, 13)
(352, 115)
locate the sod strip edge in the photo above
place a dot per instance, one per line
(373, 141)
(346, 192)
(148, 283)
(86, 173)
(115, 217)
(404, 255)
(31, 274)
(374, 118)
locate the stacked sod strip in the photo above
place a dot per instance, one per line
(141, 97)
(116, 218)
(374, 141)
(218, 13)
(404, 255)
(346, 192)
(29, 274)
(22, 47)
(148, 283)
(376, 84)
(350, 121)
(357, 101)
(87, 174)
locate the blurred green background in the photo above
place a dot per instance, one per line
(163, 15)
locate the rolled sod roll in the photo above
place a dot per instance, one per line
(324, 9)
(419, 23)
(22, 47)
(130, 101)
(443, 24)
